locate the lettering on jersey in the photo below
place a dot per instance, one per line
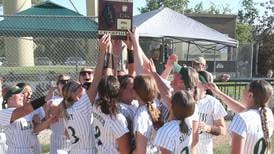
(99, 118)
(185, 135)
(69, 117)
(26, 125)
(202, 117)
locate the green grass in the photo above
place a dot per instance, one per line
(222, 149)
(45, 148)
(225, 148)
(219, 149)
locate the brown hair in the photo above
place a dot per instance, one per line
(183, 106)
(262, 92)
(147, 90)
(193, 83)
(68, 90)
(108, 90)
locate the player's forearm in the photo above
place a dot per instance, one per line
(164, 90)
(166, 72)
(217, 130)
(41, 126)
(230, 102)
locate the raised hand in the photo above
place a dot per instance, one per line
(105, 43)
(171, 60)
(129, 41)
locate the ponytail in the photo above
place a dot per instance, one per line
(155, 115)
(107, 105)
(183, 127)
(265, 129)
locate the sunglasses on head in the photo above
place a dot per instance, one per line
(84, 73)
(63, 82)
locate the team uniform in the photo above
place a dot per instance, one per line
(4, 121)
(79, 127)
(209, 110)
(41, 113)
(143, 124)
(107, 130)
(170, 137)
(247, 124)
(58, 140)
(20, 135)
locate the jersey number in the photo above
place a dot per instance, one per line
(260, 146)
(97, 135)
(185, 151)
(76, 139)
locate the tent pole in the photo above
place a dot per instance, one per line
(214, 68)
(187, 51)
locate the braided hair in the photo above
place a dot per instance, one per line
(262, 92)
(147, 90)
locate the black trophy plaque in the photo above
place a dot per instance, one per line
(115, 17)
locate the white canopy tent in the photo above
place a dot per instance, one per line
(165, 22)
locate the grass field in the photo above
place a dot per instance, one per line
(221, 146)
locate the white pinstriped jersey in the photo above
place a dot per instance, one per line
(79, 126)
(4, 120)
(170, 137)
(126, 110)
(247, 124)
(5, 116)
(41, 113)
(107, 130)
(209, 109)
(143, 124)
(58, 140)
(20, 135)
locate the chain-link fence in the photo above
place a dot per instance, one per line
(36, 49)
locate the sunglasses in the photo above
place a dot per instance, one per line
(84, 73)
(63, 82)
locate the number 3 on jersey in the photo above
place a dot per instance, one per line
(76, 139)
(97, 135)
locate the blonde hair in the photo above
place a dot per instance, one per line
(68, 90)
(262, 93)
(146, 88)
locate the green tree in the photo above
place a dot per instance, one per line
(177, 5)
(243, 32)
(248, 13)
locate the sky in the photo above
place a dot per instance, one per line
(81, 4)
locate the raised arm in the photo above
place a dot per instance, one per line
(130, 56)
(169, 66)
(163, 88)
(104, 44)
(236, 106)
(140, 59)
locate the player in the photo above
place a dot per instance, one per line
(111, 127)
(22, 128)
(58, 140)
(176, 135)
(36, 116)
(211, 117)
(147, 119)
(252, 128)
(77, 115)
